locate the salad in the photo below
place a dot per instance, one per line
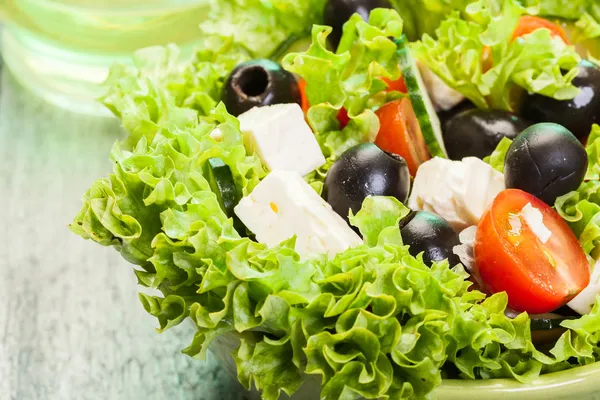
(395, 201)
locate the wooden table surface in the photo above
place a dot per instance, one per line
(71, 326)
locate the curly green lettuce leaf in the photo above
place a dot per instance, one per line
(584, 13)
(412, 12)
(587, 27)
(496, 159)
(535, 62)
(350, 78)
(262, 25)
(581, 210)
(592, 148)
(581, 207)
(164, 90)
(379, 218)
(159, 179)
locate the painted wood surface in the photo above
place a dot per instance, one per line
(71, 326)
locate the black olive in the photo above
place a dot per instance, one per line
(259, 83)
(545, 160)
(337, 12)
(446, 115)
(476, 132)
(361, 171)
(430, 234)
(577, 115)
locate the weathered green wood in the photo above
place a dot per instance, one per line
(71, 326)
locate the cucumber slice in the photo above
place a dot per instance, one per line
(222, 184)
(548, 321)
(422, 105)
(546, 329)
(293, 44)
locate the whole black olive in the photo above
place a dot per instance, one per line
(337, 12)
(476, 133)
(431, 234)
(545, 160)
(365, 170)
(259, 83)
(577, 115)
(446, 115)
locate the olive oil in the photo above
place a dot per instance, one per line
(62, 49)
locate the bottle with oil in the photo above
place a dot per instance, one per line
(62, 49)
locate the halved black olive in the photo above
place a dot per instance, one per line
(476, 132)
(365, 170)
(577, 115)
(337, 12)
(545, 160)
(431, 234)
(259, 83)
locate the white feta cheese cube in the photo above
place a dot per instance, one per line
(458, 191)
(585, 300)
(283, 205)
(282, 139)
(464, 250)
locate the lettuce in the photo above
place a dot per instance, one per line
(584, 13)
(412, 12)
(581, 207)
(535, 62)
(260, 25)
(496, 159)
(350, 78)
(373, 321)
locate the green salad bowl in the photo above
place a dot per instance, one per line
(581, 383)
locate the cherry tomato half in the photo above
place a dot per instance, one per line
(400, 133)
(538, 277)
(529, 23)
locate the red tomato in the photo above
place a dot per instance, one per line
(302, 85)
(397, 85)
(529, 23)
(343, 118)
(400, 133)
(538, 277)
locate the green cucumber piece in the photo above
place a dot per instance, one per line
(546, 329)
(543, 322)
(221, 182)
(421, 103)
(293, 44)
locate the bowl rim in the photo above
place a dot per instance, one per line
(561, 384)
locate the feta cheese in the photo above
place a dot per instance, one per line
(458, 191)
(584, 301)
(283, 205)
(464, 250)
(282, 139)
(535, 220)
(442, 95)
